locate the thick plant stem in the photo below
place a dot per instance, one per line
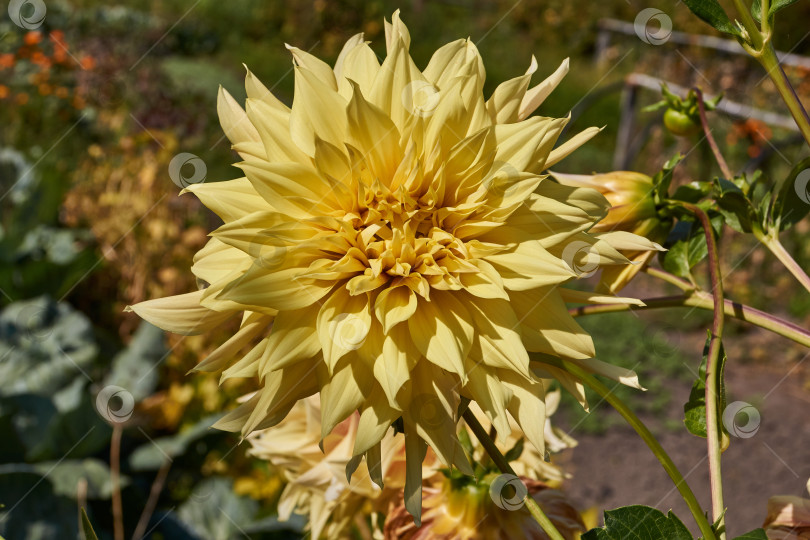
(669, 466)
(721, 161)
(771, 241)
(713, 371)
(702, 300)
(770, 62)
(503, 466)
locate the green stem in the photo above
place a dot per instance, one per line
(747, 20)
(701, 300)
(713, 371)
(503, 465)
(652, 442)
(681, 283)
(771, 241)
(767, 57)
(766, 21)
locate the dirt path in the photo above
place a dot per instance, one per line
(617, 469)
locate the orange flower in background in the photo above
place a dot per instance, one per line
(32, 38)
(88, 62)
(6, 60)
(22, 98)
(57, 36)
(3, 91)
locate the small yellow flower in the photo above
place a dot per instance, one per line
(632, 209)
(395, 247)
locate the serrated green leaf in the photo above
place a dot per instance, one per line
(756, 534)
(639, 522)
(87, 528)
(712, 13)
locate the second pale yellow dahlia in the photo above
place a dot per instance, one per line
(394, 246)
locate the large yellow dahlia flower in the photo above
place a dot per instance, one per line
(395, 247)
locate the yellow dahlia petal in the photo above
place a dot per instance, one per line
(234, 121)
(181, 314)
(537, 95)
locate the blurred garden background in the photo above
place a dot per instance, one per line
(96, 102)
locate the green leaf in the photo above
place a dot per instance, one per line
(663, 178)
(793, 200)
(87, 528)
(756, 534)
(214, 511)
(776, 6)
(134, 368)
(695, 408)
(65, 475)
(515, 452)
(712, 12)
(692, 192)
(733, 204)
(639, 522)
(676, 260)
(44, 346)
(152, 455)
